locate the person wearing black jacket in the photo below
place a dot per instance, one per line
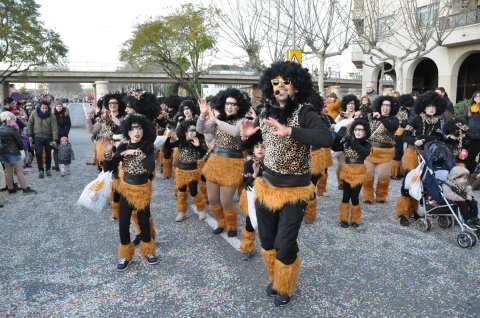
(63, 124)
(356, 148)
(11, 144)
(136, 167)
(472, 119)
(423, 128)
(406, 103)
(191, 147)
(289, 128)
(383, 125)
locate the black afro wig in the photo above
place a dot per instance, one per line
(144, 103)
(120, 99)
(406, 100)
(300, 77)
(183, 128)
(191, 104)
(173, 102)
(347, 99)
(366, 125)
(393, 104)
(252, 141)
(430, 98)
(243, 101)
(316, 100)
(148, 129)
(454, 126)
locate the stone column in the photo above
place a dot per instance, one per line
(256, 96)
(100, 89)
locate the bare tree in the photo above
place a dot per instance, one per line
(277, 24)
(395, 32)
(324, 30)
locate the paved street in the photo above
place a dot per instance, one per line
(59, 260)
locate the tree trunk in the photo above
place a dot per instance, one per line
(321, 70)
(399, 76)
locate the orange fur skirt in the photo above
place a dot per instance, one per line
(223, 171)
(381, 155)
(354, 173)
(242, 203)
(327, 155)
(318, 162)
(275, 198)
(399, 131)
(184, 177)
(99, 153)
(410, 159)
(115, 184)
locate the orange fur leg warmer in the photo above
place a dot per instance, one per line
(395, 168)
(356, 214)
(403, 206)
(269, 259)
(344, 209)
(310, 211)
(153, 232)
(247, 245)
(167, 168)
(231, 220)
(322, 184)
(339, 178)
(286, 276)
(381, 192)
(413, 205)
(182, 201)
(217, 211)
(147, 248)
(115, 208)
(367, 191)
(199, 201)
(126, 251)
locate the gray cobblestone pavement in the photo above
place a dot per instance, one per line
(59, 260)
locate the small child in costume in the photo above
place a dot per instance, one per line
(252, 169)
(65, 155)
(456, 189)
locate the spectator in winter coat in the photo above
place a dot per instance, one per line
(63, 123)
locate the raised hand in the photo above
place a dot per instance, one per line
(202, 103)
(247, 128)
(281, 130)
(195, 141)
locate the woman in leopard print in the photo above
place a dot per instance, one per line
(356, 148)
(224, 167)
(383, 125)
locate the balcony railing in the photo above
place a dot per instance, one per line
(462, 19)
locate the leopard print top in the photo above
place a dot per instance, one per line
(133, 164)
(283, 154)
(108, 127)
(350, 152)
(402, 114)
(225, 140)
(380, 133)
(189, 155)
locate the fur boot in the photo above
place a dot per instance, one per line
(322, 184)
(248, 242)
(203, 189)
(126, 251)
(381, 192)
(285, 277)
(217, 211)
(115, 209)
(231, 222)
(403, 206)
(167, 168)
(199, 201)
(356, 214)
(182, 201)
(147, 248)
(269, 259)
(339, 179)
(344, 211)
(395, 169)
(413, 206)
(367, 192)
(311, 212)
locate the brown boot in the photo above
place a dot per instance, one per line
(310, 211)
(382, 190)
(231, 222)
(367, 192)
(217, 211)
(343, 215)
(402, 208)
(356, 215)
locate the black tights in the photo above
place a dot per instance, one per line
(125, 214)
(192, 187)
(350, 193)
(248, 225)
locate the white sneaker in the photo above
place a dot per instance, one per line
(202, 215)
(180, 217)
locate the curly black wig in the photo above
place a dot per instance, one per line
(173, 102)
(366, 125)
(454, 126)
(243, 101)
(347, 99)
(316, 100)
(100, 102)
(148, 128)
(252, 141)
(121, 102)
(430, 98)
(406, 100)
(183, 128)
(394, 106)
(300, 77)
(191, 104)
(144, 103)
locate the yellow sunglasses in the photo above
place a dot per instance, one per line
(278, 81)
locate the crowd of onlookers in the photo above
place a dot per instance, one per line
(32, 130)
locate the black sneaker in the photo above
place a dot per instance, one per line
(122, 265)
(41, 174)
(137, 240)
(404, 221)
(231, 233)
(12, 191)
(344, 224)
(218, 230)
(28, 190)
(49, 173)
(152, 260)
(416, 216)
(270, 291)
(246, 256)
(354, 225)
(281, 300)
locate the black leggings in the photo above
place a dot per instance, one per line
(248, 225)
(125, 214)
(192, 187)
(468, 209)
(350, 193)
(398, 149)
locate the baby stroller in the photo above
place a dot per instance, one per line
(438, 161)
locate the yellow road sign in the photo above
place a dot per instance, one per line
(295, 56)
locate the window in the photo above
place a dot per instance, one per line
(385, 26)
(428, 15)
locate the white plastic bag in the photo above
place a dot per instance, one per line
(413, 182)
(96, 194)
(251, 208)
(159, 141)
